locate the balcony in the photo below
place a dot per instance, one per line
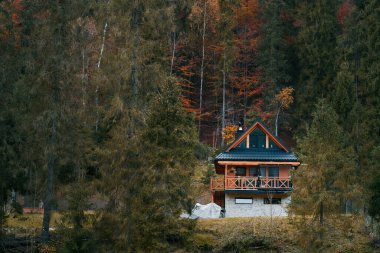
(250, 183)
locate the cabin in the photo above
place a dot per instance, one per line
(253, 174)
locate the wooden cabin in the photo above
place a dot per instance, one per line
(253, 174)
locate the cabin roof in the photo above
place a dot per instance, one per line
(233, 153)
(257, 155)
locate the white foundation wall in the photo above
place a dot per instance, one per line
(257, 208)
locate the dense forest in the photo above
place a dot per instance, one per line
(124, 99)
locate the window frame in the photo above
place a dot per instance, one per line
(275, 201)
(250, 201)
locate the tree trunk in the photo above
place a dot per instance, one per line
(97, 85)
(135, 49)
(173, 54)
(202, 66)
(321, 220)
(224, 100)
(50, 177)
(277, 116)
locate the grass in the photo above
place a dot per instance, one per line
(258, 234)
(245, 235)
(31, 221)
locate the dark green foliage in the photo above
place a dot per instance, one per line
(316, 49)
(207, 175)
(374, 187)
(167, 166)
(276, 49)
(202, 151)
(327, 177)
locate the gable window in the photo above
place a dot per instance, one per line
(257, 139)
(243, 200)
(273, 201)
(240, 172)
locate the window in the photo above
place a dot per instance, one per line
(262, 172)
(253, 172)
(275, 201)
(243, 200)
(257, 139)
(273, 172)
(240, 172)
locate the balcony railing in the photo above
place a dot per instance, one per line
(249, 183)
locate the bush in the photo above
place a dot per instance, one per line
(201, 151)
(207, 175)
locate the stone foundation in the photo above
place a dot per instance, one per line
(257, 208)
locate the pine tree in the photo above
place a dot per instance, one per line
(326, 179)
(316, 47)
(167, 165)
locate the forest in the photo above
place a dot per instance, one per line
(128, 101)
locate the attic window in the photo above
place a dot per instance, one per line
(257, 139)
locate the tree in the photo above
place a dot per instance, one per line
(167, 165)
(277, 59)
(316, 47)
(326, 178)
(283, 99)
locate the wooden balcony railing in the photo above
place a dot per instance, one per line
(248, 183)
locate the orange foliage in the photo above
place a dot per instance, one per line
(285, 97)
(229, 133)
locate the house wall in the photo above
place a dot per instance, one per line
(257, 208)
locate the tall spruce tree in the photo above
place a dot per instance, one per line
(167, 165)
(316, 47)
(326, 178)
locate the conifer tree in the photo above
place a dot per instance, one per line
(167, 165)
(316, 47)
(276, 51)
(326, 178)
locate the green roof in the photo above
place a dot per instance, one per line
(257, 155)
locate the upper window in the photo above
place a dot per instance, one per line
(241, 172)
(273, 172)
(253, 171)
(257, 139)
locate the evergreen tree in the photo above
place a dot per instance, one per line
(276, 52)
(167, 165)
(316, 47)
(326, 179)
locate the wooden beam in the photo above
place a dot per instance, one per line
(247, 141)
(256, 163)
(266, 141)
